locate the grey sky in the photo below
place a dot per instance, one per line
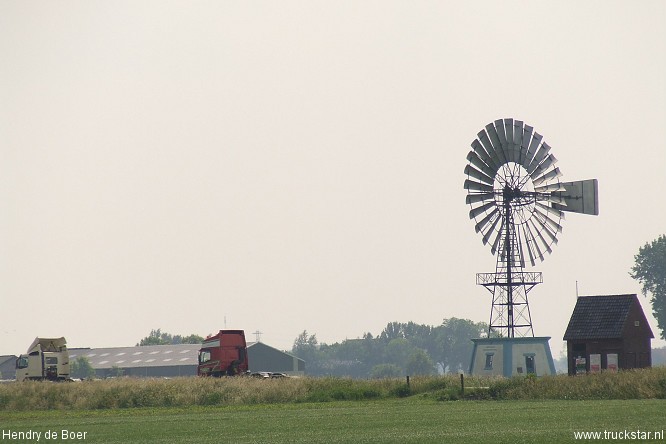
(299, 165)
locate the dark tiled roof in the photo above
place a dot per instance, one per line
(599, 317)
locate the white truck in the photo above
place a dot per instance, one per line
(47, 359)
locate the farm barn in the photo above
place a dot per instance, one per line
(608, 333)
(8, 366)
(178, 360)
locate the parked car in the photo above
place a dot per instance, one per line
(268, 375)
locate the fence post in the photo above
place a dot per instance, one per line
(462, 385)
(407, 381)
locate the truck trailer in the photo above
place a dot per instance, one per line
(223, 354)
(47, 359)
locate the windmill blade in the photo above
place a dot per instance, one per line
(473, 172)
(534, 146)
(581, 196)
(490, 149)
(474, 212)
(497, 143)
(546, 220)
(540, 155)
(544, 166)
(506, 140)
(508, 131)
(535, 242)
(524, 146)
(514, 135)
(483, 155)
(552, 235)
(544, 227)
(512, 130)
(501, 134)
(483, 222)
(491, 230)
(476, 186)
(480, 197)
(552, 174)
(475, 160)
(517, 140)
(541, 238)
(493, 248)
(550, 210)
(529, 243)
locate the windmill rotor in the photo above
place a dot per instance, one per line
(511, 168)
(518, 203)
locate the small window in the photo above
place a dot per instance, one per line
(529, 364)
(22, 362)
(51, 360)
(204, 356)
(637, 323)
(489, 361)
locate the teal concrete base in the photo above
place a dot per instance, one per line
(512, 357)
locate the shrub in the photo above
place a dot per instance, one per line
(449, 394)
(401, 391)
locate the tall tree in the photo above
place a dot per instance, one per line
(393, 330)
(419, 363)
(157, 337)
(453, 343)
(192, 339)
(650, 270)
(398, 352)
(305, 347)
(81, 368)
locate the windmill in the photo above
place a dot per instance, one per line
(518, 203)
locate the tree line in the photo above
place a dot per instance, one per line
(400, 349)
(157, 337)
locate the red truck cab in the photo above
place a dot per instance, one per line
(223, 354)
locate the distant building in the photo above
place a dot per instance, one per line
(8, 367)
(264, 358)
(608, 333)
(178, 360)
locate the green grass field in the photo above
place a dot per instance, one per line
(414, 419)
